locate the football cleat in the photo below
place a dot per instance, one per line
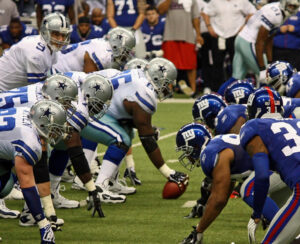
(7, 213)
(120, 187)
(68, 175)
(191, 238)
(77, 184)
(130, 173)
(16, 193)
(107, 196)
(61, 202)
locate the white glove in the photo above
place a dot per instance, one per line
(199, 238)
(252, 226)
(262, 76)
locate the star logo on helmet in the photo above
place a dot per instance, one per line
(97, 88)
(47, 113)
(120, 37)
(62, 85)
(162, 68)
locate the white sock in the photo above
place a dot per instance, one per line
(54, 182)
(129, 161)
(107, 171)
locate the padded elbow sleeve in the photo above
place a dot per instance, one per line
(149, 143)
(41, 171)
(78, 160)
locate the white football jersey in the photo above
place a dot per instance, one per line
(16, 127)
(133, 86)
(72, 57)
(25, 63)
(269, 16)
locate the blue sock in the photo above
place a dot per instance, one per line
(87, 144)
(114, 154)
(270, 207)
(58, 162)
(223, 87)
(33, 202)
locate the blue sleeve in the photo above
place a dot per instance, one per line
(248, 131)
(261, 183)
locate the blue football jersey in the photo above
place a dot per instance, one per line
(282, 139)
(105, 26)
(6, 36)
(95, 32)
(51, 6)
(153, 35)
(241, 167)
(126, 12)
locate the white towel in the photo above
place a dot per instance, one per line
(187, 4)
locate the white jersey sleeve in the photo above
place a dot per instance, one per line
(25, 63)
(100, 52)
(108, 73)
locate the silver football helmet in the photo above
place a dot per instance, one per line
(97, 91)
(56, 24)
(290, 7)
(60, 88)
(122, 41)
(50, 120)
(136, 63)
(162, 74)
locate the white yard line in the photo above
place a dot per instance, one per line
(178, 100)
(139, 144)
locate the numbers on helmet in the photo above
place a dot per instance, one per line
(291, 135)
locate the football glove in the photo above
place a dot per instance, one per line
(156, 132)
(252, 226)
(193, 238)
(179, 178)
(53, 222)
(262, 76)
(94, 202)
(197, 211)
(47, 235)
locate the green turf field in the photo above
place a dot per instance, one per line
(145, 217)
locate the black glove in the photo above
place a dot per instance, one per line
(53, 219)
(197, 211)
(156, 132)
(193, 238)
(179, 178)
(94, 202)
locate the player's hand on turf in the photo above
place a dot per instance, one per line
(47, 235)
(252, 226)
(193, 238)
(95, 204)
(53, 222)
(197, 211)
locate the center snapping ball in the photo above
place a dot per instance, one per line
(173, 190)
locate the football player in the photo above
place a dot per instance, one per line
(271, 142)
(24, 127)
(256, 38)
(97, 54)
(29, 60)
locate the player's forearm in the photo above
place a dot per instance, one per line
(196, 25)
(112, 22)
(213, 208)
(138, 22)
(269, 50)
(71, 15)
(164, 6)
(259, 48)
(39, 16)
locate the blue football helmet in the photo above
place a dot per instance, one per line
(293, 85)
(191, 139)
(278, 73)
(207, 107)
(262, 101)
(238, 92)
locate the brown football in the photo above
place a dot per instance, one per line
(173, 190)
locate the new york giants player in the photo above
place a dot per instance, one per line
(45, 7)
(24, 127)
(272, 143)
(153, 29)
(256, 37)
(29, 60)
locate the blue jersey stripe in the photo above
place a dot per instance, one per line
(36, 74)
(96, 59)
(35, 80)
(26, 151)
(145, 102)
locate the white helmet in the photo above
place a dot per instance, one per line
(162, 74)
(50, 120)
(97, 91)
(56, 22)
(290, 7)
(136, 63)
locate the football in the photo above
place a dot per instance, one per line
(173, 190)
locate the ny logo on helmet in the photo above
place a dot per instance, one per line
(188, 135)
(238, 94)
(47, 114)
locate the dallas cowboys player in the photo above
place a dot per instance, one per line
(256, 38)
(133, 104)
(272, 143)
(97, 54)
(29, 60)
(24, 127)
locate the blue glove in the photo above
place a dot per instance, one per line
(47, 235)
